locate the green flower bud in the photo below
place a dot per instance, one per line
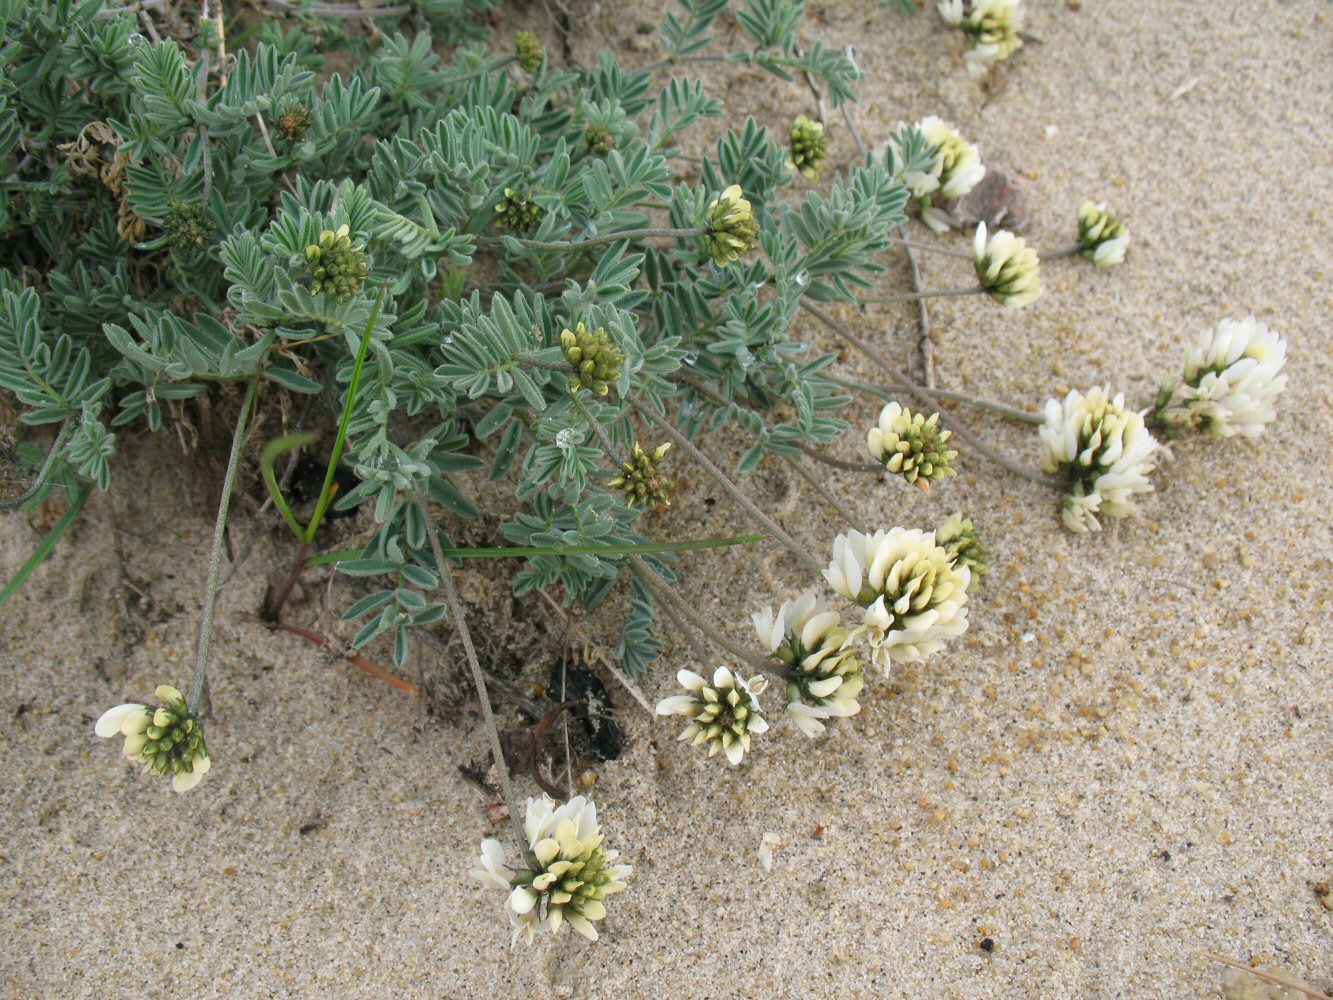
(641, 482)
(593, 355)
(911, 445)
(187, 226)
(732, 227)
(529, 51)
(599, 140)
(291, 121)
(1102, 238)
(167, 740)
(959, 539)
(517, 213)
(337, 267)
(809, 148)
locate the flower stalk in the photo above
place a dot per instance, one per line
(205, 643)
(722, 479)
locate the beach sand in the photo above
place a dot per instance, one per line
(1126, 761)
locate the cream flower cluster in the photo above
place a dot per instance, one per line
(992, 28)
(954, 171)
(723, 714)
(1232, 377)
(811, 641)
(911, 445)
(914, 594)
(732, 228)
(573, 874)
(1101, 453)
(165, 740)
(1102, 238)
(1007, 267)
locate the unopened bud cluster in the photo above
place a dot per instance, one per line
(518, 213)
(166, 740)
(642, 482)
(959, 538)
(809, 148)
(572, 876)
(187, 226)
(1102, 238)
(292, 121)
(732, 227)
(529, 51)
(594, 356)
(723, 714)
(599, 140)
(911, 445)
(338, 267)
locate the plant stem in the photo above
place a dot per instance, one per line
(986, 404)
(48, 543)
(680, 608)
(924, 344)
(215, 557)
(847, 114)
(941, 293)
(288, 582)
(923, 397)
(680, 439)
(838, 463)
(926, 247)
(479, 681)
(628, 234)
(1071, 251)
(818, 487)
(607, 445)
(31, 491)
(958, 397)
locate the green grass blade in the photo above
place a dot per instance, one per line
(270, 455)
(326, 494)
(48, 544)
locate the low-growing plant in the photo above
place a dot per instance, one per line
(515, 266)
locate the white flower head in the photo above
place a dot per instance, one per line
(573, 873)
(914, 595)
(957, 165)
(1101, 452)
(811, 640)
(992, 28)
(724, 713)
(1102, 238)
(911, 445)
(1232, 377)
(1007, 267)
(165, 740)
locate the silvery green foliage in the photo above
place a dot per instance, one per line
(103, 320)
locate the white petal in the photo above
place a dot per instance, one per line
(522, 900)
(185, 781)
(112, 719)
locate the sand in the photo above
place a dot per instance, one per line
(1126, 760)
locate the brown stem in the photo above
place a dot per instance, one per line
(355, 659)
(288, 582)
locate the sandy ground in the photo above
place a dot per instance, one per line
(1127, 759)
